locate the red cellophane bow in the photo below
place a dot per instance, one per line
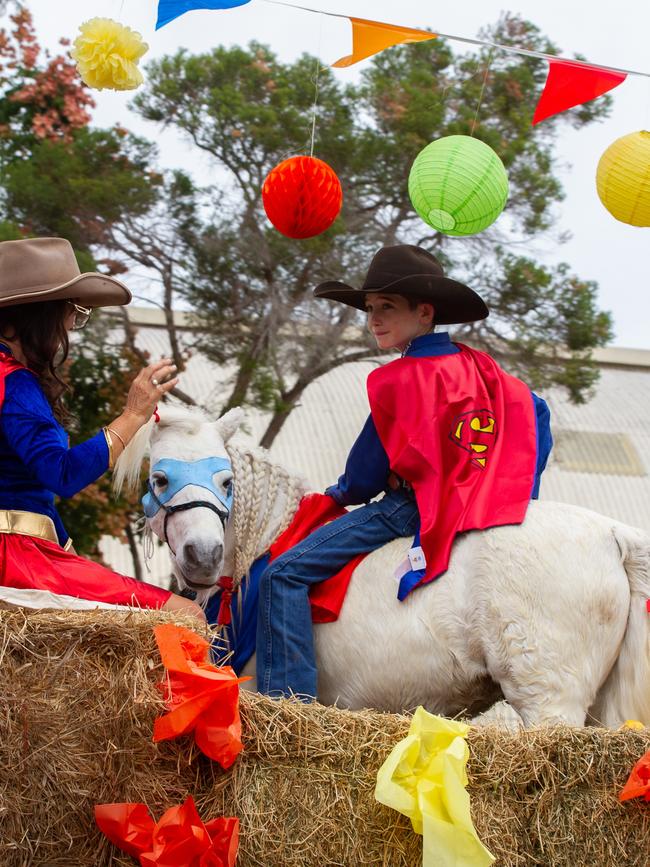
(179, 839)
(638, 784)
(200, 697)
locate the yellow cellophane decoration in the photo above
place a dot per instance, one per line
(632, 725)
(623, 179)
(424, 778)
(107, 55)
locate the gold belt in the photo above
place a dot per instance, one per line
(28, 524)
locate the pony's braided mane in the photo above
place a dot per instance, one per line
(259, 485)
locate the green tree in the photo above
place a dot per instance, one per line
(251, 287)
(153, 240)
(79, 189)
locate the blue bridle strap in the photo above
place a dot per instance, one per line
(179, 475)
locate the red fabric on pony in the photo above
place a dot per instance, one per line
(314, 511)
(462, 432)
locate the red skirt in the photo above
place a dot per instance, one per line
(30, 563)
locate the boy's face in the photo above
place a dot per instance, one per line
(393, 323)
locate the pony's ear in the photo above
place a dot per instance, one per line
(228, 423)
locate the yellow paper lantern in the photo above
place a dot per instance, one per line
(623, 179)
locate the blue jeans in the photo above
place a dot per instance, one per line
(285, 645)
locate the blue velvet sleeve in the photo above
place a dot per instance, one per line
(42, 444)
(544, 439)
(366, 469)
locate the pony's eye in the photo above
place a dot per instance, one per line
(160, 481)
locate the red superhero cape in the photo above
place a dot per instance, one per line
(462, 432)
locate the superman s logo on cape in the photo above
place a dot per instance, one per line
(476, 432)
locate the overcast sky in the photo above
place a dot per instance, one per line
(601, 249)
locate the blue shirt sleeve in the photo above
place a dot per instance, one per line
(366, 469)
(42, 444)
(544, 439)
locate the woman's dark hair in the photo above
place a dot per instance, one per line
(40, 329)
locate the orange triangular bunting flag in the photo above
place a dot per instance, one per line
(371, 37)
(569, 84)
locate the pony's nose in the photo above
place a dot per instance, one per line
(197, 555)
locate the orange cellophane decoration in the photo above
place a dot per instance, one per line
(302, 197)
(179, 839)
(201, 697)
(638, 784)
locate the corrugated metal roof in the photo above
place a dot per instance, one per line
(317, 436)
(621, 406)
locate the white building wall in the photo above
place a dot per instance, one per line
(316, 438)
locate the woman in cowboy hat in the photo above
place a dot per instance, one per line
(43, 296)
(452, 441)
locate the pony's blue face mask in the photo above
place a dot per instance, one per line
(180, 474)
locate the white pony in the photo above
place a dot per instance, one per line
(550, 615)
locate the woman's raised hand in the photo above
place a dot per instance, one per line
(149, 386)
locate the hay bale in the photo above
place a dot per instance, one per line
(304, 792)
(78, 699)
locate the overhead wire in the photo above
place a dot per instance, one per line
(528, 52)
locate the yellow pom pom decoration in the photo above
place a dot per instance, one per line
(623, 179)
(107, 55)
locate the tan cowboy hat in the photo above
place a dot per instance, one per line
(45, 269)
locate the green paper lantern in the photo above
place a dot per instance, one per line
(458, 185)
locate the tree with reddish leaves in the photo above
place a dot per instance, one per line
(42, 96)
(60, 176)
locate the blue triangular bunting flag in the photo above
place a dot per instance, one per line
(170, 9)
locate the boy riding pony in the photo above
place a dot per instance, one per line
(453, 442)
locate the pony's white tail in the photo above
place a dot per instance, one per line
(626, 692)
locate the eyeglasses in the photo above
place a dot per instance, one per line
(81, 317)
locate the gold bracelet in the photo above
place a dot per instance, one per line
(109, 443)
(117, 435)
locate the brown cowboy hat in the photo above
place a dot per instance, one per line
(412, 272)
(45, 269)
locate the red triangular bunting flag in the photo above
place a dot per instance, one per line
(569, 84)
